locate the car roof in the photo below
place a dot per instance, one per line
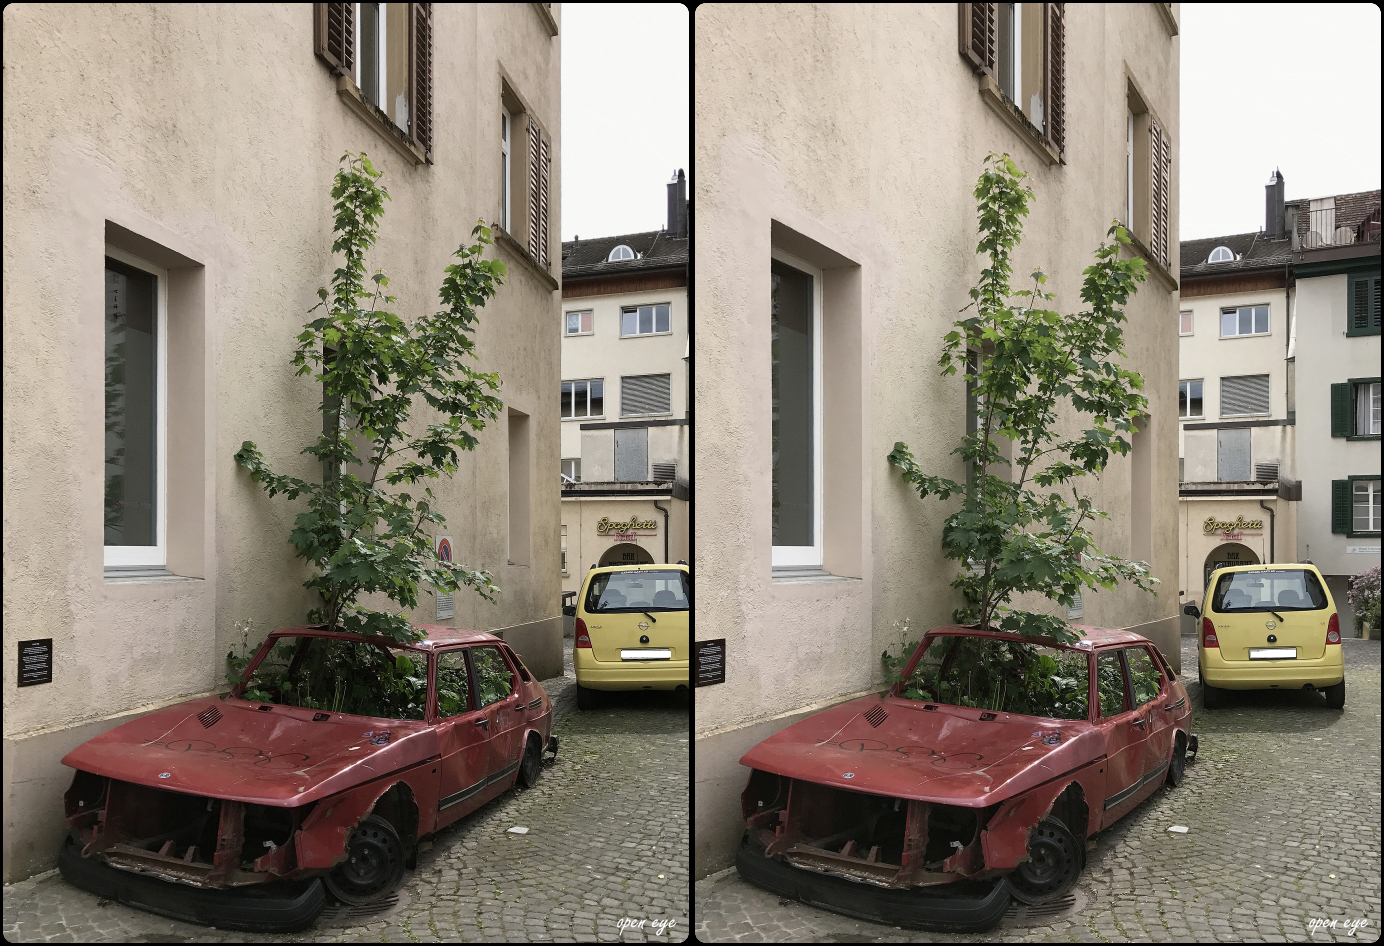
(438, 635)
(1269, 566)
(638, 568)
(1091, 636)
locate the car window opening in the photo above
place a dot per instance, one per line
(1002, 676)
(1281, 589)
(342, 676)
(637, 592)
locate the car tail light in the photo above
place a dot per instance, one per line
(1333, 630)
(1208, 634)
(583, 638)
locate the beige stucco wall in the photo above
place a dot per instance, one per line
(1275, 540)
(214, 132)
(1205, 355)
(1326, 356)
(586, 545)
(856, 146)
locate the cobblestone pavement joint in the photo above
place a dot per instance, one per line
(607, 847)
(1283, 806)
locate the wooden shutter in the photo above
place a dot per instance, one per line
(1160, 188)
(1342, 405)
(1364, 316)
(535, 135)
(334, 36)
(421, 90)
(545, 167)
(1055, 69)
(1341, 511)
(979, 32)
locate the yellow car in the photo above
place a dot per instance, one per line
(1269, 627)
(632, 630)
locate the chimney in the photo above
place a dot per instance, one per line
(677, 205)
(1273, 207)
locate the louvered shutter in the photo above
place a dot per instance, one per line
(535, 136)
(979, 32)
(1246, 394)
(1054, 86)
(1341, 511)
(1341, 405)
(334, 35)
(1160, 186)
(645, 394)
(421, 125)
(1364, 306)
(544, 169)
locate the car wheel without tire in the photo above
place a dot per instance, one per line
(532, 764)
(1177, 765)
(587, 698)
(1336, 695)
(1055, 860)
(374, 863)
(1211, 697)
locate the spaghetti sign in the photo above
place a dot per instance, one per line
(605, 526)
(1232, 530)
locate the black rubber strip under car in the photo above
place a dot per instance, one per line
(275, 907)
(961, 907)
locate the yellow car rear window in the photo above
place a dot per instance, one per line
(1279, 589)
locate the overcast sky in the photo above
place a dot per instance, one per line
(624, 114)
(1293, 86)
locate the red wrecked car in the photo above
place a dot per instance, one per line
(976, 778)
(237, 811)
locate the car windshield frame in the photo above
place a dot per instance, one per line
(901, 688)
(591, 606)
(1228, 580)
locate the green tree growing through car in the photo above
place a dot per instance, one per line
(371, 531)
(1031, 369)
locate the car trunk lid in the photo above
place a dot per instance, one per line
(1238, 634)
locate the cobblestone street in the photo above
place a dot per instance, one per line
(607, 842)
(1283, 806)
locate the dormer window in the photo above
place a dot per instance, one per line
(1221, 254)
(621, 252)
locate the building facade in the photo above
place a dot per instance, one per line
(1279, 392)
(193, 149)
(836, 234)
(624, 406)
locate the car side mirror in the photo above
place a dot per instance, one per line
(1191, 610)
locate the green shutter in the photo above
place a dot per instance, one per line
(1341, 405)
(1363, 317)
(1340, 506)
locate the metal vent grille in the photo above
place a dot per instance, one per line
(1246, 394)
(1266, 472)
(665, 472)
(348, 916)
(876, 716)
(1044, 914)
(645, 394)
(209, 716)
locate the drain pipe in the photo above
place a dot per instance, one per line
(1269, 510)
(665, 531)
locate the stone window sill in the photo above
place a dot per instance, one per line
(115, 575)
(1016, 120)
(1160, 271)
(504, 239)
(785, 576)
(378, 121)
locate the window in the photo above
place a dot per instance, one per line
(1021, 46)
(453, 684)
(1221, 254)
(644, 320)
(564, 546)
(645, 394)
(136, 371)
(506, 129)
(1355, 409)
(1189, 402)
(1184, 322)
(571, 473)
(1145, 679)
(1245, 320)
(1148, 176)
(540, 166)
(621, 252)
(518, 487)
(1110, 683)
(579, 323)
(1355, 505)
(386, 50)
(494, 679)
(795, 324)
(1364, 305)
(583, 398)
(1246, 394)
(526, 154)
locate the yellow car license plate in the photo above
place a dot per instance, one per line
(1273, 653)
(657, 653)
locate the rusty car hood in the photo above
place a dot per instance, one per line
(946, 755)
(232, 750)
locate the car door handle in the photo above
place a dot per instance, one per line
(1172, 706)
(483, 722)
(1140, 723)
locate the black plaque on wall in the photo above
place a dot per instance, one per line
(35, 662)
(710, 660)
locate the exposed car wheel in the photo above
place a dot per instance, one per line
(530, 768)
(1055, 860)
(1336, 695)
(374, 863)
(1211, 697)
(587, 698)
(1177, 766)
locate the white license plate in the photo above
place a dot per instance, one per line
(657, 653)
(1273, 653)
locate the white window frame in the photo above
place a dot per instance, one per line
(382, 72)
(1190, 381)
(575, 475)
(1371, 423)
(808, 556)
(506, 133)
(587, 382)
(635, 308)
(1372, 505)
(150, 556)
(1223, 311)
(1228, 258)
(611, 257)
(1129, 169)
(578, 312)
(1193, 329)
(564, 550)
